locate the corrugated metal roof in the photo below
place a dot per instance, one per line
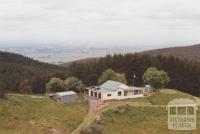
(66, 93)
(104, 90)
(111, 85)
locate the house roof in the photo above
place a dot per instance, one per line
(66, 93)
(111, 85)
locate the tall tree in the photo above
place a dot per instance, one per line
(2, 89)
(156, 78)
(55, 85)
(25, 87)
(109, 74)
(74, 84)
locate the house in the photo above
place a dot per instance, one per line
(63, 97)
(111, 90)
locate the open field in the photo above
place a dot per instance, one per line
(33, 115)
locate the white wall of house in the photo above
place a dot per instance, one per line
(115, 95)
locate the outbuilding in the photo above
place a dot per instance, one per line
(62, 97)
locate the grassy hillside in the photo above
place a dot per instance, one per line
(187, 52)
(142, 120)
(33, 115)
(146, 115)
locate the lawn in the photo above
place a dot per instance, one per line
(28, 115)
(137, 120)
(161, 97)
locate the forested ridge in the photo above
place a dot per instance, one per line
(15, 68)
(184, 74)
(183, 52)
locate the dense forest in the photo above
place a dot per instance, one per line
(18, 71)
(15, 69)
(184, 74)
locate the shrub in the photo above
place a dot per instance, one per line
(55, 85)
(74, 84)
(156, 78)
(109, 74)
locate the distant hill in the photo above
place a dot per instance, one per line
(15, 68)
(7, 57)
(185, 52)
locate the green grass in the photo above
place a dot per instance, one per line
(120, 118)
(161, 97)
(27, 115)
(146, 120)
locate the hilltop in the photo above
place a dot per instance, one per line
(184, 52)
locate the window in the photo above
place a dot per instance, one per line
(136, 92)
(91, 93)
(125, 93)
(99, 95)
(95, 94)
(108, 95)
(120, 93)
(140, 92)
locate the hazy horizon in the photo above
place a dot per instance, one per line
(66, 30)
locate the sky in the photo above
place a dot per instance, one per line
(100, 22)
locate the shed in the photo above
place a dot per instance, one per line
(148, 89)
(62, 97)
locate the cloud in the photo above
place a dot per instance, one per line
(100, 21)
